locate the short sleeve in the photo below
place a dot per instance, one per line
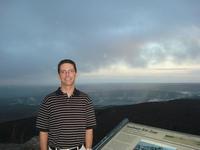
(90, 119)
(42, 122)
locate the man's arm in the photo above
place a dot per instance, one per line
(43, 140)
(88, 138)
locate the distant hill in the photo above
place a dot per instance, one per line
(179, 115)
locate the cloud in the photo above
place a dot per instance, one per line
(35, 35)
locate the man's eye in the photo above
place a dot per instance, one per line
(67, 71)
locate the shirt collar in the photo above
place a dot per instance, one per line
(75, 92)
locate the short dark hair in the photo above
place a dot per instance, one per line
(67, 61)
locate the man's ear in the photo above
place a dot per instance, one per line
(58, 76)
(77, 75)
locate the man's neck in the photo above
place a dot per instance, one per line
(67, 90)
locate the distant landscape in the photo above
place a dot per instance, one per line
(180, 115)
(24, 102)
(178, 106)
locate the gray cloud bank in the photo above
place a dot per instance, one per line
(35, 35)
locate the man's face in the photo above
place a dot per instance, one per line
(67, 74)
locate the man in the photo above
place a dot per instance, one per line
(66, 117)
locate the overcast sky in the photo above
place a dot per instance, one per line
(111, 40)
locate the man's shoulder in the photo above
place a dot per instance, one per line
(84, 96)
(81, 93)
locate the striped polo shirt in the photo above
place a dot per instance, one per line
(66, 118)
